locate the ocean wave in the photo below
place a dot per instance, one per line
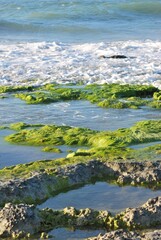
(14, 26)
(142, 7)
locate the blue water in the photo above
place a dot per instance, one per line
(80, 20)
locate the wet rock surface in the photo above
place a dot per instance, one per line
(41, 185)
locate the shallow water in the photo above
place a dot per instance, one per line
(75, 234)
(12, 154)
(144, 145)
(72, 113)
(102, 196)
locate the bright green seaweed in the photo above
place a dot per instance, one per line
(108, 145)
(106, 95)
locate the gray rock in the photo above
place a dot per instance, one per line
(118, 235)
(156, 235)
(18, 220)
(128, 235)
(41, 185)
(146, 216)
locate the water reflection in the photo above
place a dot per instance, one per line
(102, 196)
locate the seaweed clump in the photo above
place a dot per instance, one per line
(110, 145)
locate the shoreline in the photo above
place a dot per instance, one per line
(108, 158)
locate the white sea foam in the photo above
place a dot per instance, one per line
(43, 62)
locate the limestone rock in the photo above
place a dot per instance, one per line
(118, 235)
(18, 220)
(148, 215)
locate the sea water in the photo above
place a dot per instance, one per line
(63, 41)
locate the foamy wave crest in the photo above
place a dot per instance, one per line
(40, 63)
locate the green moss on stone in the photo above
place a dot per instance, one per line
(106, 95)
(111, 145)
(51, 149)
(10, 89)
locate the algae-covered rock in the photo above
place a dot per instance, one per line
(34, 182)
(51, 149)
(157, 95)
(18, 126)
(52, 135)
(71, 217)
(99, 141)
(105, 95)
(21, 220)
(10, 89)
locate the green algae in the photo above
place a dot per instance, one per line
(74, 217)
(105, 95)
(51, 149)
(12, 89)
(47, 166)
(21, 125)
(49, 94)
(52, 135)
(157, 95)
(110, 145)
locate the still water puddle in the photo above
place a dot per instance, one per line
(69, 234)
(144, 145)
(102, 196)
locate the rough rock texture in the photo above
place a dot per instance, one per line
(148, 215)
(137, 172)
(128, 235)
(21, 220)
(71, 217)
(117, 235)
(155, 235)
(41, 185)
(17, 220)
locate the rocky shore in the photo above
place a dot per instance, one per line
(22, 220)
(19, 218)
(129, 235)
(45, 183)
